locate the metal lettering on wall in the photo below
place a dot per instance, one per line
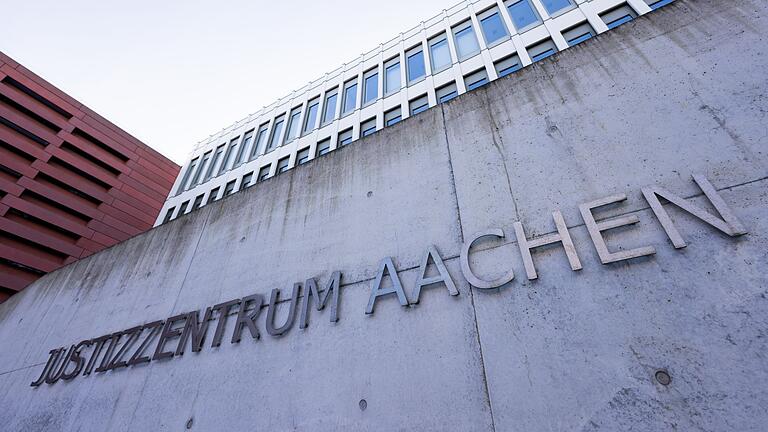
(169, 338)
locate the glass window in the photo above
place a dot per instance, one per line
(264, 172)
(371, 86)
(420, 104)
(213, 195)
(555, 6)
(578, 34)
(329, 111)
(311, 120)
(392, 116)
(350, 97)
(323, 147)
(368, 127)
(466, 42)
(188, 173)
(392, 76)
(416, 68)
(476, 79)
(229, 188)
(541, 50)
(244, 147)
(302, 156)
(277, 130)
(198, 202)
(230, 155)
(523, 14)
(199, 171)
(446, 92)
(508, 65)
(261, 141)
(618, 16)
(345, 137)
(657, 4)
(169, 214)
(493, 26)
(246, 180)
(282, 164)
(183, 208)
(212, 165)
(294, 122)
(439, 53)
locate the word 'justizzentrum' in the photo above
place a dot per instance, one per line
(169, 338)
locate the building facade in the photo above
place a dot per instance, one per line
(463, 48)
(71, 182)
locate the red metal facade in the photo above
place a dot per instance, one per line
(71, 182)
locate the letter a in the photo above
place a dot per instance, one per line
(377, 291)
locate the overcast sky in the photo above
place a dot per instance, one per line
(173, 72)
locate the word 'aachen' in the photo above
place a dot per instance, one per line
(133, 346)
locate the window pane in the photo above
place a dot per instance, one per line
(466, 42)
(659, 4)
(323, 147)
(276, 130)
(493, 28)
(350, 98)
(368, 127)
(446, 92)
(419, 105)
(392, 78)
(330, 108)
(311, 120)
(554, 6)
(261, 140)
(523, 14)
(441, 55)
(416, 68)
(244, 147)
(345, 137)
(371, 88)
(293, 126)
(302, 156)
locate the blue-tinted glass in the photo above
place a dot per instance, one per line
(392, 84)
(394, 120)
(371, 88)
(369, 131)
(441, 55)
(278, 128)
(466, 42)
(477, 84)
(554, 6)
(620, 21)
(579, 39)
(660, 3)
(448, 97)
(419, 109)
(543, 55)
(523, 14)
(330, 108)
(416, 68)
(293, 126)
(309, 124)
(350, 98)
(493, 28)
(514, 68)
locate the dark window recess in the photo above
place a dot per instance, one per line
(45, 178)
(212, 195)
(15, 150)
(21, 267)
(229, 188)
(198, 202)
(26, 242)
(84, 135)
(20, 130)
(2, 193)
(169, 214)
(9, 171)
(29, 113)
(33, 197)
(34, 95)
(14, 214)
(264, 173)
(54, 161)
(90, 158)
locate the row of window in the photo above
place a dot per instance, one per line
(257, 142)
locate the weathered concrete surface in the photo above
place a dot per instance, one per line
(679, 91)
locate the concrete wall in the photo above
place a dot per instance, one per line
(679, 91)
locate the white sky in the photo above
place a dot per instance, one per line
(172, 72)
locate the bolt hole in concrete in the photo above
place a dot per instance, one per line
(363, 404)
(663, 377)
(189, 423)
(369, 194)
